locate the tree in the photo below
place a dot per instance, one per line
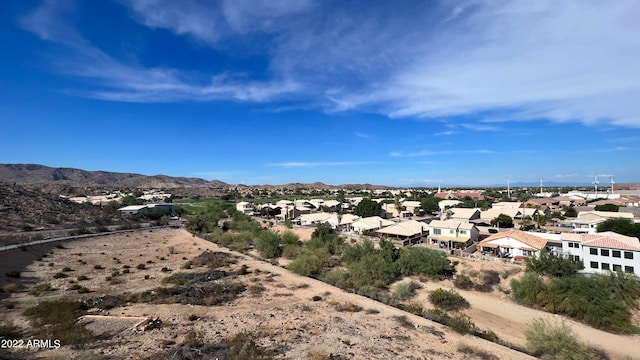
(553, 264)
(340, 196)
(367, 208)
(607, 207)
(268, 244)
(540, 220)
(621, 226)
(570, 211)
(430, 204)
(502, 220)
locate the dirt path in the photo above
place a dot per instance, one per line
(509, 320)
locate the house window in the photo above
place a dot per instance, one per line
(617, 267)
(593, 251)
(628, 255)
(437, 231)
(570, 244)
(574, 257)
(526, 253)
(605, 266)
(463, 232)
(594, 264)
(615, 253)
(576, 245)
(604, 252)
(628, 269)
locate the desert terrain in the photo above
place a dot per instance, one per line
(287, 315)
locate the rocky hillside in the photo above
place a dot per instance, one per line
(24, 210)
(40, 174)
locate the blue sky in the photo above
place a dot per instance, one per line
(270, 92)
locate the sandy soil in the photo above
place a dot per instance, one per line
(282, 313)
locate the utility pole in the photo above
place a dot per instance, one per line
(595, 183)
(612, 182)
(508, 187)
(541, 186)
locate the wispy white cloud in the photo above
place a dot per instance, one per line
(480, 127)
(445, 133)
(302, 164)
(363, 135)
(438, 152)
(563, 61)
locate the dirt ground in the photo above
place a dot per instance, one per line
(282, 313)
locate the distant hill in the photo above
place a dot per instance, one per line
(40, 174)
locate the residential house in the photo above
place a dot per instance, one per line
(514, 244)
(370, 224)
(452, 233)
(448, 195)
(443, 204)
(245, 207)
(507, 205)
(132, 209)
(337, 221)
(603, 252)
(461, 214)
(408, 232)
(587, 221)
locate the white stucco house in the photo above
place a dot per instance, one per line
(514, 243)
(602, 252)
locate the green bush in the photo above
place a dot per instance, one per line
(406, 290)
(463, 282)
(39, 289)
(585, 299)
(417, 260)
(57, 320)
(307, 264)
(269, 244)
(548, 340)
(553, 264)
(448, 299)
(60, 275)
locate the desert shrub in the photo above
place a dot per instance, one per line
(13, 274)
(60, 275)
(348, 306)
(354, 253)
(549, 340)
(582, 298)
(414, 308)
(417, 260)
(290, 251)
(75, 287)
(165, 269)
(372, 270)
(141, 266)
(528, 288)
(39, 289)
(10, 288)
(269, 244)
(553, 264)
(463, 282)
(243, 346)
(9, 330)
(126, 271)
(405, 290)
(404, 321)
(622, 286)
(316, 298)
(98, 267)
(194, 338)
(337, 277)
(82, 278)
(476, 353)
(57, 320)
(318, 354)
(487, 280)
(448, 299)
(310, 263)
